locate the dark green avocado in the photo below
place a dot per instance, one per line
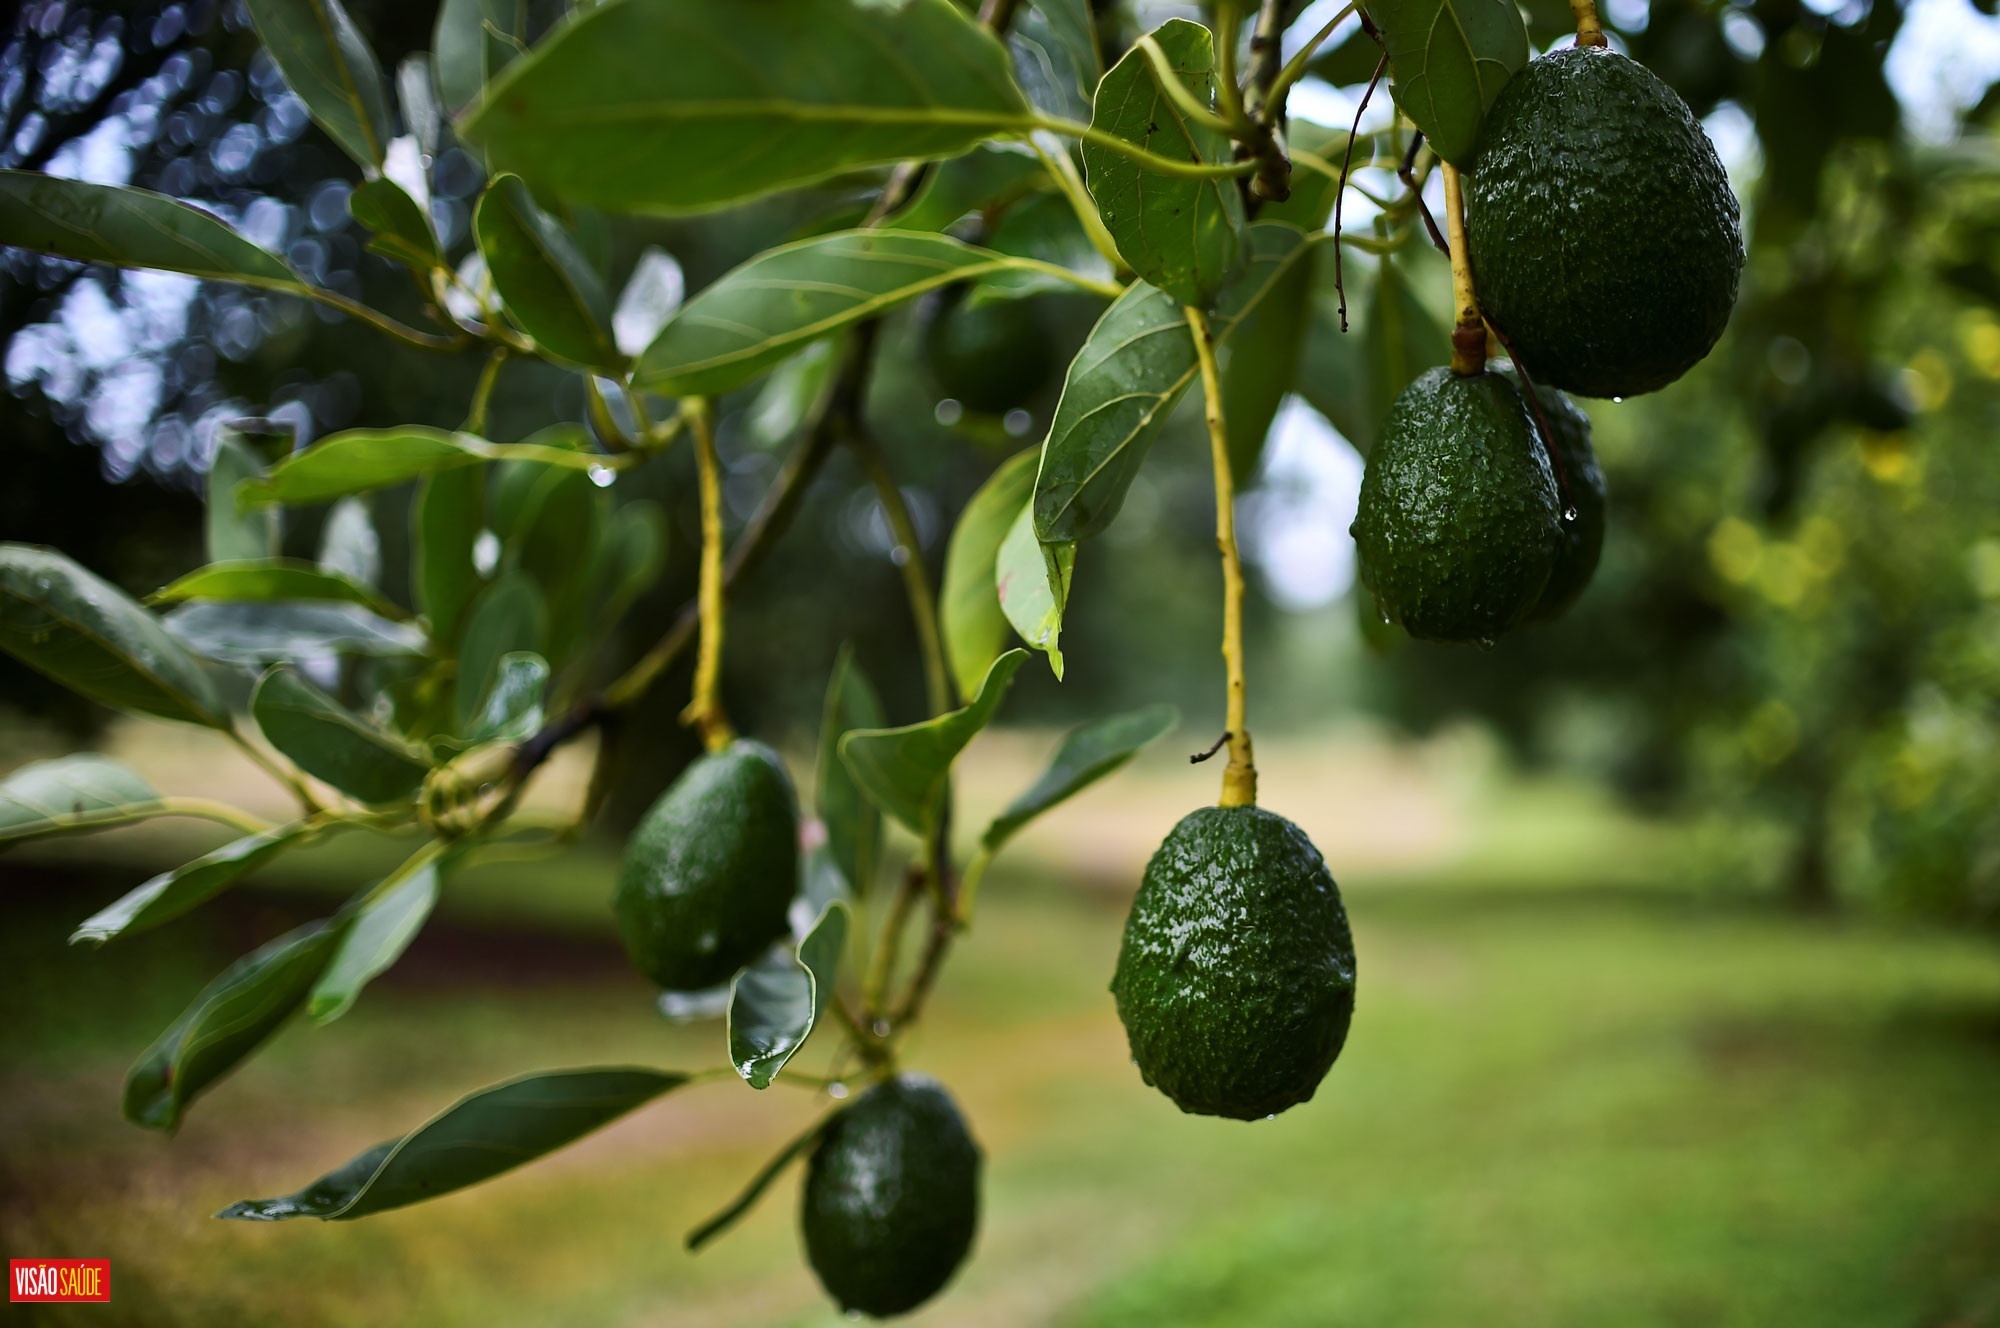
(891, 1198)
(1605, 241)
(1235, 981)
(711, 869)
(988, 355)
(1458, 526)
(1581, 486)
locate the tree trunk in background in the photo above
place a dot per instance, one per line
(1810, 887)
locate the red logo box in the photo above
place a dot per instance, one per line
(46, 1281)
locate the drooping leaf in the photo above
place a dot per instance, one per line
(1088, 753)
(1031, 581)
(477, 1138)
(784, 298)
(473, 41)
(775, 1003)
(696, 104)
(1403, 340)
(508, 618)
(103, 223)
(173, 893)
(513, 706)
(362, 459)
(327, 62)
(989, 174)
(445, 521)
(904, 771)
(545, 284)
(1448, 60)
(1134, 367)
(853, 823)
(231, 1017)
(234, 535)
(1184, 236)
(378, 933)
(281, 630)
(93, 638)
(1260, 363)
(400, 229)
(1056, 60)
(272, 579)
(332, 743)
(71, 793)
(759, 1183)
(969, 613)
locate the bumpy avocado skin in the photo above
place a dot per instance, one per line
(1581, 481)
(1235, 981)
(891, 1199)
(1605, 241)
(1458, 524)
(711, 869)
(990, 356)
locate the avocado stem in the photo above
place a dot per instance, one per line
(705, 710)
(1588, 31)
(1239, 778)
(1468, 334)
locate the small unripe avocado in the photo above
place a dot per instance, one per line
(711, 869)
(1605, 241)
(1458, 525)
(1235, 980)
(988, 355)
(1581, 483)
(891, 1199)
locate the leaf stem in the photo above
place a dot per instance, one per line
(1110, 290)
(1152, 161)
(273, 769)
(381, 321)
(882, 964)
(968, 884)
(1239, 778)
(482, 393)
(1468, 334)
(1178, 93)
(705, 711)
(1063, 171)
(1588, 31)
(1295, 69)
(916, 580)
(1228, 93)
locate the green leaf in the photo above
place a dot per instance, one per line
(547, 287)
(784, 298)
(1184, 236)
(1403, 340)
(1333, 371)
(1088, 753)
(904, 771)
(270, 633)
(71, 793)
(401, 231)
(630, 558)
(172, 893)
(990, 174)
(974, 627)
(272, 579)
(1134, 367)
(477, 1138)
(96, 640)
(381, 929)
(473, 41)
(363, 459)
(508, 618)
(760, 1182)
(513, 706)
(1448, 60)
(332, 743)
(1260, 362)
(234, 535)
(551, 521)
(1056, 60)
(328, 64)
(775, 1003)
(104, 223)
(231, 1017)
(445, 521)
(1031, 581)
(853, 823)
(653, 107)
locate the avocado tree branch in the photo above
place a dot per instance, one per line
(1239, 778)
(1588, 31)
(705, 711)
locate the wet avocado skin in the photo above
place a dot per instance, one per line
(1605, 242)
(1235, 981)
(1458, 524)
(711, 869)
(1582, 483)
(891, 1199)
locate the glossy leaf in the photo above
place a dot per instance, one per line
(1088, 753)
(1183, 236)
(376, 936)
(172, 893)
(1260, 363)
(104, 223)
(904, 770)
(547, 287)
(272, 579)
(1448, 60)
(473, 41)
(327, 62)
(477, 1138)
(853, 823)
(445, 521)
(513, 706)
(71, 793)
(975, 629)
(785, 298)
(508, 618)
(1031, 581)
(759, 1183)
(775, 1003)
(1056, 60)
(989, 174)
(697, 103)
(332, 743)
(400, 230)
(231, 1018)
(234, 535)
(289, 630)
(94, 639)
(362, 459)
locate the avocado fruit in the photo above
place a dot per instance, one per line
(1235, 979)
(1580, 487)
(989, 355)
(891, 1199)
(711, 869)
(1605, 242)
(1459, 525)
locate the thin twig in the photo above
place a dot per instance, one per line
(1340, 191)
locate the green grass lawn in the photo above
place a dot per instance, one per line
(1585, 1107)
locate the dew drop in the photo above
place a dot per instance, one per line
(1616, 400)
(836, 1091)
(1487, 643)
(880, 1028)
(603, 476)
(1569, 513)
